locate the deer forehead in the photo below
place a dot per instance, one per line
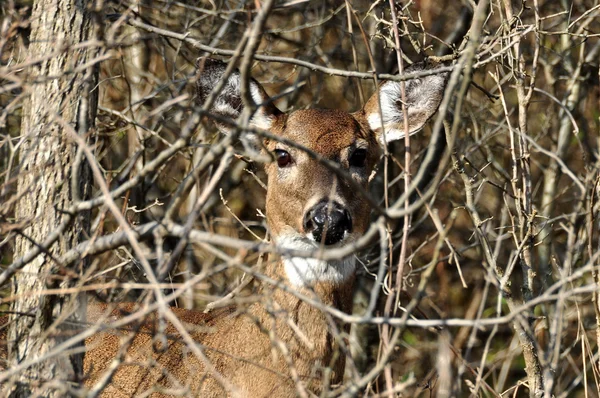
(325, 131)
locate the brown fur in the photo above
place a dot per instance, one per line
(330, 134)
(236, 343)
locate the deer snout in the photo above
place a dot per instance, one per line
(327, 219)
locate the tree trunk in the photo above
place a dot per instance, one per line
(62, 91)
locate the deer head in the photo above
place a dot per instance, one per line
(308, 205)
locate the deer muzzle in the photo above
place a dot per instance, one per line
(327, 222)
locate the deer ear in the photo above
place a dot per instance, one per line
(228, 102)
(423, 97)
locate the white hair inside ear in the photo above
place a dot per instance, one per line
(391, 110)
(261, 118)
(229, 104)
(423, 96)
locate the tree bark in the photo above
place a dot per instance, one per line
(62, 91)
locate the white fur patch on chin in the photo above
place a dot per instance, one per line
(305, 272)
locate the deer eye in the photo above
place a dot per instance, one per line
(283, 158)
(358, 158)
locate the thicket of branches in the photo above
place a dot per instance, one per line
(494, 288)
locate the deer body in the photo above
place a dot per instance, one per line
(237, 344)
(267, 348)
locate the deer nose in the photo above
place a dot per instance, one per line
(329, 220)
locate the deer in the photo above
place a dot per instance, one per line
(282, 345)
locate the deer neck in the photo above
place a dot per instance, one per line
(327, 282)
(308, 332)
